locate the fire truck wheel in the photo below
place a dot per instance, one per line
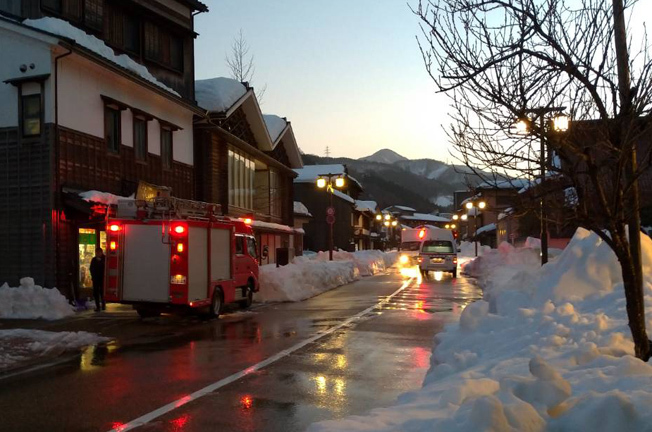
(249, 297)
(217, 303)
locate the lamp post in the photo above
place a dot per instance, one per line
(475, 206)
(560, 123)
(326, 181)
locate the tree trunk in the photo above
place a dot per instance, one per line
(635, 310)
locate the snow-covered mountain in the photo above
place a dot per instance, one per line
(391, 179)
(386, 156)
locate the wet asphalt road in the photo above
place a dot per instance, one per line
(362, 365)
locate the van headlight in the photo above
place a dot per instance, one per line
(404, 259)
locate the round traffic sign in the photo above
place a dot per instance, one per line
(330, 219)
(330, 211)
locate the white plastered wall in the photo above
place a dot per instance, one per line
(83, 82)
(18, 49)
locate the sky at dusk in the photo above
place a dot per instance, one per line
(348, 74)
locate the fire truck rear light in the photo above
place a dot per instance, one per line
(114, 228)
(180, 247)
(454, 260)
(179, 229)
(113, 245)
(248, 221)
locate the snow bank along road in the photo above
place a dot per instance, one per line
(280, 367)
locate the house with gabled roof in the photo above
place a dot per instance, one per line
(244, 161)
(94, 95)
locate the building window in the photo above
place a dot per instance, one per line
(10, 6)
(274, 194)
(52, 5)
(241, 179)
(166, 147)
(31, 115)
(163, 47)
(112, 128)
(140, 138)
(94, 13)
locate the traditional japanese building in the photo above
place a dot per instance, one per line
(244, 161)
(94, 95)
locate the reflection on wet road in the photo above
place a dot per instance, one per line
(362, 365)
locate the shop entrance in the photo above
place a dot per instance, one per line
(89, 239)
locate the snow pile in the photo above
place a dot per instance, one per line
(20, 346)
(103, 197)
(30, 301)
(549, 351)
(275, 125)
(62, 28)
(303, 279)
(306, 277)
(218, 94)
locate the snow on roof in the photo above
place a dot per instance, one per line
(368, 206)
(404, 208)
(508, 211)
(310, 173)
(504, 184)
(486, 228)
(275, 227)
(275, 125)
(218, 94)
(343, 196)
(64, 29)
(301, 209)
(103, 197)
(426, 217)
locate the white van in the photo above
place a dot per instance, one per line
(438, 252)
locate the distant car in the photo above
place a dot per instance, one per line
(438, 253)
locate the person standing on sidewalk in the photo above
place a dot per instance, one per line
(97, 275)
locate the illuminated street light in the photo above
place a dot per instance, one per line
(339, 182)
(321, 183)
(447, 226)
(455, 217)
(469, 205)
(326, 181)
(394, 223)
(464, 217)
(379, 217)
(482, 204)
(388, 217)
(560, 123)
(453, 226)
(522, 126)
(386, 223)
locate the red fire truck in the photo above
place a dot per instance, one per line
(176, 255)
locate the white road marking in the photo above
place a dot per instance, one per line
(142, 420)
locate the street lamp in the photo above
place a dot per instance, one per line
(326, 181)
(455, 217)
(469, 205)
(559, 123)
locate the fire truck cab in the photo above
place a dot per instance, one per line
(180, 261)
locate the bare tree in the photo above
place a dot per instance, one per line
(500, 60)
(241, 64)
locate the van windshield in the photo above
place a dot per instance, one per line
(410, 246)
(437, 246)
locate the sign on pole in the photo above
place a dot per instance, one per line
(330, 211)
(330, 219)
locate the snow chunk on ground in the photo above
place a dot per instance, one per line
(556, 340)
(306, 277)
(62, 28)
(21, 346)
(30, 301)
(218, 94)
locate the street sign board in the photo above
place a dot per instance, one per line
(330, 219)
(330, 211)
